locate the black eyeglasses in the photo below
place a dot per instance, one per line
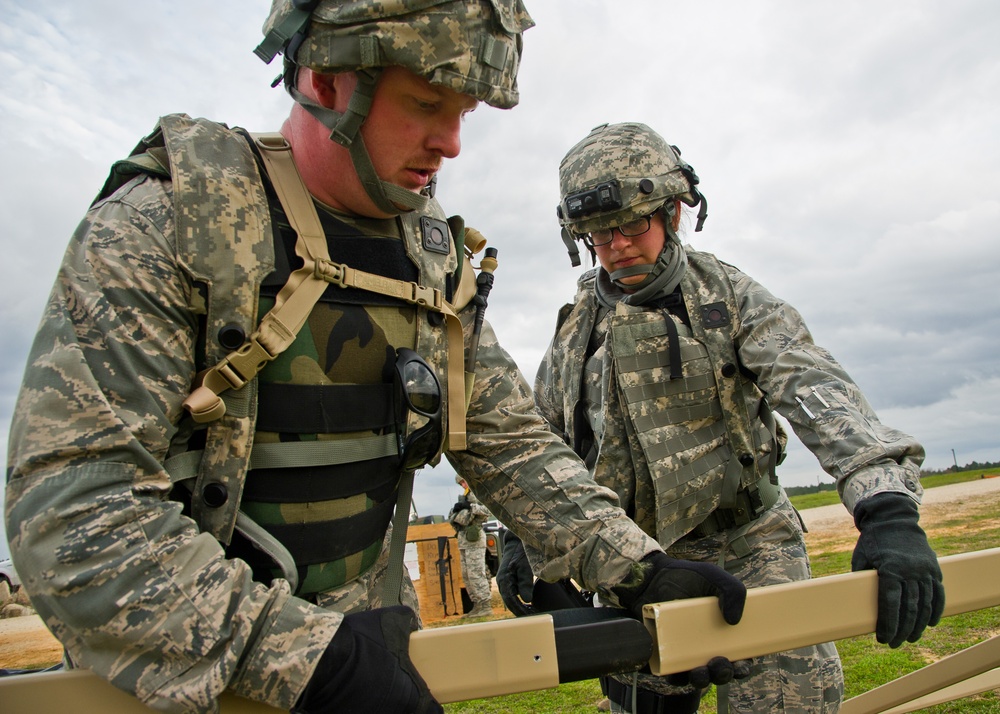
(418, 390)
(595, 239)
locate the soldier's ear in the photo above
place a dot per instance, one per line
(332, 91)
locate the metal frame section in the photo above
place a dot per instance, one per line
(962, 674)
(511, 656)
(971, 687)
(522, 654)
(83, 692)
(688, 633)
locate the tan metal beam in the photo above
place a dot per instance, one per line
(782, 617)
(952, 670)
(977, 685)
(510, 656)
(520, 655)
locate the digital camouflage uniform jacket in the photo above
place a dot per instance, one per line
(801, 381)
(129, 585)
(468, 523)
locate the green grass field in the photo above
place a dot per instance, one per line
(867, 664)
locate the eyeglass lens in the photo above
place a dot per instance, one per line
(631, 229)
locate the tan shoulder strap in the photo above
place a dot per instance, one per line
(277, 330)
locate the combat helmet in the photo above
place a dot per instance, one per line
(470, 46)
(618, 173)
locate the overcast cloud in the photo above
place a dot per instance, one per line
(848, 150)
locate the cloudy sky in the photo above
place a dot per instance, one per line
(849, 152)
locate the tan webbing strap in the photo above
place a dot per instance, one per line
(294, 302)
(457, 408)
(432, 299)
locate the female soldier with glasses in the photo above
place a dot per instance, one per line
(663, 375)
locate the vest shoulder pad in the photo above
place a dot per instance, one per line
(149, 157)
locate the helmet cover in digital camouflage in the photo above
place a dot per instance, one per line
(618, 173)
(470, 46)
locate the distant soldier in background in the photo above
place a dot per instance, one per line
(467, 517)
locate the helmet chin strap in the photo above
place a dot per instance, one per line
(345, 129)
(665, 275)
(662, 276)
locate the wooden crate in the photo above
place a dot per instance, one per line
(437, 558)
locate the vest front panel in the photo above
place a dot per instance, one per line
(334, 383)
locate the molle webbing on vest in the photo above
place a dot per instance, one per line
(677, 421)
(691, 472)
(711, 303)
(686, 442)
(324, 408)
(671, 358)
(303, 485)
(667, 389)
(677, 415)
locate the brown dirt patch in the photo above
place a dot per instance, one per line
(25, 643)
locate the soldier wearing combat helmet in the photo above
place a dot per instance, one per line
(664, 374)
(253, 343)
(467, 517)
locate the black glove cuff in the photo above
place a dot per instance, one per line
(629, 590)
(325, 679)
(889, 505)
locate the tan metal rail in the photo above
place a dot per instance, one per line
(521, 655)
(781, 617)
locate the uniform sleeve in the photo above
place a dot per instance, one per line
(480, 512)
(126, 582)
(547, 395)
(534, 484)
(826, 409)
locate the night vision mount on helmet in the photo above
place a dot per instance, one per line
(617, 174)
(469, 46)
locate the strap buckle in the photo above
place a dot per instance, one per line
(425, 296)
(234, 370)
(333, 273)
(241, 366)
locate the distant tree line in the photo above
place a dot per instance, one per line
(971, 466)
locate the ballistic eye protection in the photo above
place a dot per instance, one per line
(417, 390)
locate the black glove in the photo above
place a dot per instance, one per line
(461, 506)
(667, 578)
(514, 577)
(719, 670)
(910, 587)
(367, 668)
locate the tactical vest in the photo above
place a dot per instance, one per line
(332, 448)
(706, 434)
